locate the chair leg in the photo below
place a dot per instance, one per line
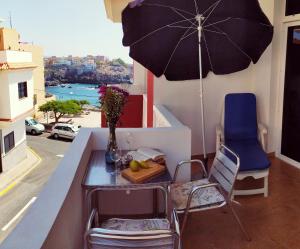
(179, 246)
(185, 217)
(239, 222)
(266, 186)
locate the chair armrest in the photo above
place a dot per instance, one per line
(219, 130)
(195, 190)
(262, 130)
(180, 164)
(94, 215)
(219, 136)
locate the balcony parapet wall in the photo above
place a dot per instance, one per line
(58, 218)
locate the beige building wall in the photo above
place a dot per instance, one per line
(10, 40)
(38, 75)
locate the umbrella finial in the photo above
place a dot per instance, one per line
(200, 18)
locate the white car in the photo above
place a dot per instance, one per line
(33, 126)
(64, 130)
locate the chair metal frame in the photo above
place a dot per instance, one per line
(212, 183)
(99, 232)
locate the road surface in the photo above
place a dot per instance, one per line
(16, 202)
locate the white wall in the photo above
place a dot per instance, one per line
(164, 118)
(19, 129)
(276, 101)
(10, 104)
(183, 100)
(20, 106)
(4, 96)
(15, 57)
(18, 153)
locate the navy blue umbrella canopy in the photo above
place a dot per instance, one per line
(163, 35)
(186, 39)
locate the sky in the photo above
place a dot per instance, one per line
(66, 27)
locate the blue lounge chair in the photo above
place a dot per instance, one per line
(245, 136)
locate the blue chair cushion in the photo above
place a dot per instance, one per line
(240, 120)
(252, 156)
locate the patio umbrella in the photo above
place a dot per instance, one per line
(186, 39)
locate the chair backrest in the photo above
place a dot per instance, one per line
(224, 169)
(100, 238)
(240, 119)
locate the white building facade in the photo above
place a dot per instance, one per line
(16, 102)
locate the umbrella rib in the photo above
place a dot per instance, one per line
(212, 24)
(184, 36)
(182, 27)
(208, 53)
(211, 6)
(196, 7)
(213, 9)
(213, 31)
(167, 6)
(154, 31)
(248, 19)
(183, 16)
(233, 43)
(237, 18)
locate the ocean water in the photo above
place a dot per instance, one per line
(77, 91)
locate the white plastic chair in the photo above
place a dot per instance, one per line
(262, 132)
(212, 192)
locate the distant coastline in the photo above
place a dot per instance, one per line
(94, 70)
(87, 82)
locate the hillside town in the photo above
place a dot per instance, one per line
(89, 69)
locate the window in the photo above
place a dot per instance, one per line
(292, 7)
(9, 142)
(67, 129)
(22, 89)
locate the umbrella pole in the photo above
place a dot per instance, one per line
(200, 18)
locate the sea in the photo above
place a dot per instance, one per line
(76, 91)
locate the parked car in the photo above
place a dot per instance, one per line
(33, 126)
(64, 130)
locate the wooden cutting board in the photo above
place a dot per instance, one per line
(144, 175)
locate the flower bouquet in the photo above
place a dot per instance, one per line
(112, 101)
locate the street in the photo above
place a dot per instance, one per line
(24, 193)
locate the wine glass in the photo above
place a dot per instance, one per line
(116, 157)
(129, 141)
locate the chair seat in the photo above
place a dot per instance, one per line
(252, 156)
(205, 197)
(136, 224)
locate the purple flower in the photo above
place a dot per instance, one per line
(102, 90)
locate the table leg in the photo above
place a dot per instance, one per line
(155, 202)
